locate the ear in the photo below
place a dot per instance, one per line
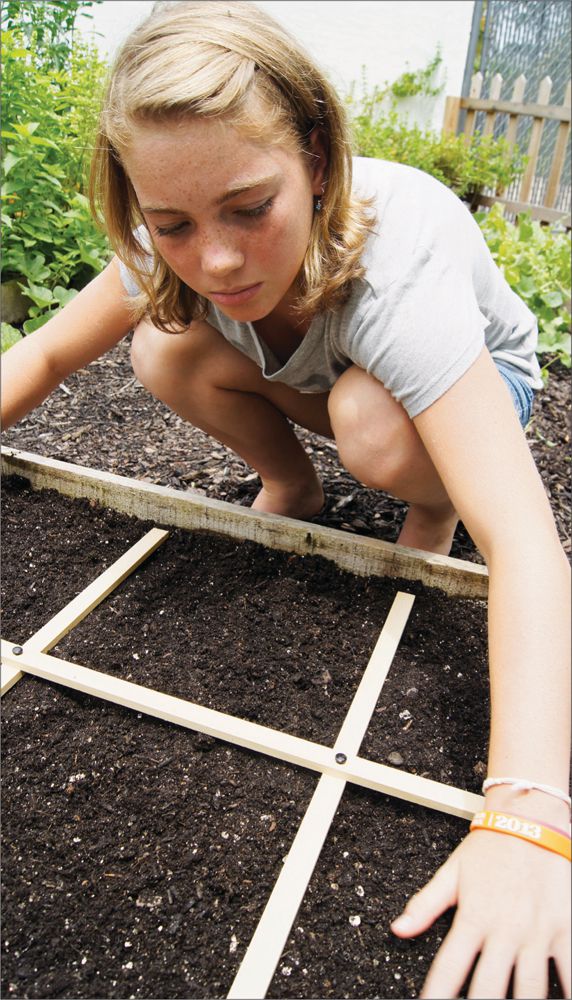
(319, 149)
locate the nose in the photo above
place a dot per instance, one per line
(220, 257)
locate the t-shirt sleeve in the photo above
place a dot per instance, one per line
(421, 333)
(128, 280)
(145, 262)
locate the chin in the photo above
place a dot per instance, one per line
(246, 313)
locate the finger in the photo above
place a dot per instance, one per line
(531, 975)
(428, 904)
(562, 953)
(492, 973)
(453, 961)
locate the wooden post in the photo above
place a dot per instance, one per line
(496, 87)
(534, 144)
(475, 92)
(559, 156)
(451, 116)
(512, 127)
(517, 98)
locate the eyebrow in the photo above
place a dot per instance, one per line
(231, 193)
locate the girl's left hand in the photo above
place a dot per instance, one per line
(513, 907)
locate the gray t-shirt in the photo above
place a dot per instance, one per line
(432, 296)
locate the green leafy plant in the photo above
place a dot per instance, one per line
(46, 26)
(535, 261)
(51, 240)
(413, 83)
(10, 335)
(52, 246)
(467, 169)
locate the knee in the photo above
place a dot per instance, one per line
(146, 354)
(371, 430)
(370, 458)
(162, 362)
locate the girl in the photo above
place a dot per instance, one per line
(268, 285)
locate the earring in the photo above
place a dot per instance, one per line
(318, 205)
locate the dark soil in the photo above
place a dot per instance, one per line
(138, 856)
(103, 418)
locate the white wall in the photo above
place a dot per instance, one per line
(113, 19)
(384, 36)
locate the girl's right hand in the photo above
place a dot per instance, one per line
(513, 911)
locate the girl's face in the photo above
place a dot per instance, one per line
(231, 217)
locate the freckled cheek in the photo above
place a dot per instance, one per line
(283, 245)
(183, 262)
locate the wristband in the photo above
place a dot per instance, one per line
(550, 826)
(534, 833)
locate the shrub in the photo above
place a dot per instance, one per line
(467, 168)
(535, 261)
(51, 99)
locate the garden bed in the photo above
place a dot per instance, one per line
(139, 856)
(151, 900)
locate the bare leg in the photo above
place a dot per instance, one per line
(380, 446)
(216, 388)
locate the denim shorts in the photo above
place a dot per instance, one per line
(521, 393)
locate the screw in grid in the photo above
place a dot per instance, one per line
(341, 758)
(17, 650)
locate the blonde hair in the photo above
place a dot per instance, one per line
(208, 59)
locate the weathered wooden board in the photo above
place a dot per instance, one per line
(165, 506)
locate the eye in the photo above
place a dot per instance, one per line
(258, 212)
(170, 230)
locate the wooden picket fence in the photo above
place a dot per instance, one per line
(540, 112)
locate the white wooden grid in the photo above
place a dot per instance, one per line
(337, 765)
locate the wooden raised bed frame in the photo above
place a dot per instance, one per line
(338, 764)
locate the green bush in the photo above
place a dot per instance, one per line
(467, 168)
(51, 243)
(535, 261)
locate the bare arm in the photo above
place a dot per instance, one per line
(478, 447)
(91, 324)
(512, 898)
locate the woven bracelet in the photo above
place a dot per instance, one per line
(514, 826)
(524, 785)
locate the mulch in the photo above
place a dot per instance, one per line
(138, 856)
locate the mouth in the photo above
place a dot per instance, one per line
(236, 296)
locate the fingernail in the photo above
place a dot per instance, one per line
(402, 923)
